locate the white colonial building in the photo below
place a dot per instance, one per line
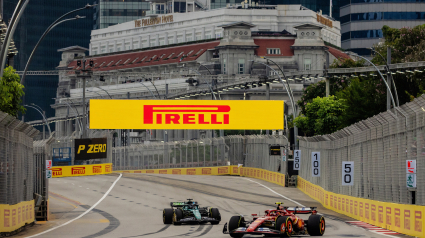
(234, 67)
(195, 24)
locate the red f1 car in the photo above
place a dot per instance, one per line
(281, 222)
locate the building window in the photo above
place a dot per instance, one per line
(273, 51)
(224, 66)
(95, 52)
(241, 66)
(307, 64)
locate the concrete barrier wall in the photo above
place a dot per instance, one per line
(273, 177)
(12, 217)
(402, 218)
(81, 170)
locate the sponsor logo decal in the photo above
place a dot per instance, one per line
(57, 171)
(150, 171)
(162, 171)
(206, 171)
(97, 169)
(223, 170)
(177, 171)
(185, 114)
(108, 168)
(78, 170)
(138, 172)
(191, 171)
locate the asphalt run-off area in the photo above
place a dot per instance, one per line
(131, 206)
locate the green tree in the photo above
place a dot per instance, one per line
(11, 92)
(364, 98)
(322, 116)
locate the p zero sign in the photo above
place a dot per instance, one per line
(94, 148)
(186, 114)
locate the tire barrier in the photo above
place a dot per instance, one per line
(402, 218)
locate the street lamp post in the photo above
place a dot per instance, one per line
(44, 118)
(105, 92)
(20, 7)
(389, 76)
(383, 79)
(292, 95)
(291, 98)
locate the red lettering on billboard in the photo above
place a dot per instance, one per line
(235, 170)
(176, 171)
(223, 170)
(78, 170)
(418, 221)
(407, 219)
(6, 218)
(57, 171)
(188, 118)
(397, 220)
(162, 171)
(97, 169)
(13, 217)
(150, 171)
(108, 168)
(206, 171)
(191, 171)
(373, 212)
(138, 172)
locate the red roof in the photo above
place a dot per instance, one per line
(149, 57)
(338, 54)
(283, 44)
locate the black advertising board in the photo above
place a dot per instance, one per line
(275, 150)
(94, 148)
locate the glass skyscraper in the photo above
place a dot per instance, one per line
(38, 15)
(112, 12)
(315, 5)
(362, 20)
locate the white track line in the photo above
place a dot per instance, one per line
(84, 213)
(299, 204)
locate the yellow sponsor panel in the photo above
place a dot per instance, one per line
(81, 170)
(12, 217)
(273, 177)
(186, 114)
(402, 218)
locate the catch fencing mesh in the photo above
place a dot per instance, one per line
(251, 151)
(379, 147)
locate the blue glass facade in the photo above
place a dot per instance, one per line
(377, 16)
(380, 12)
(38, 15)
(315, 5)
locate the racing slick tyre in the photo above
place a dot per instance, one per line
(214, 213)
(284, 225)
(234, 223)
(178, 214)
(316, 225)
(167, 215)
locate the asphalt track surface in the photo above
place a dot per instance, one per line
(133, 208)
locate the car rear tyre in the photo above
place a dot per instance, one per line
(284, 225)
(316, 225)
(214, 213)
(234, 223)
(178, 214)
(167, 215)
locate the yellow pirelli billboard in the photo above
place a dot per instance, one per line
(186, 114)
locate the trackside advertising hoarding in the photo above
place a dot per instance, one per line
(186, 114)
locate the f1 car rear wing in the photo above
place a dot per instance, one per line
(301, 210)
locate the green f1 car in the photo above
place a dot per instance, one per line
(190, 213)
